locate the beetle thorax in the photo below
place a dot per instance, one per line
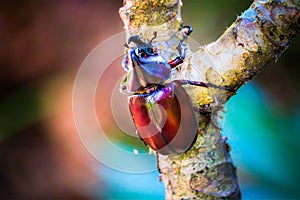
(146, 70)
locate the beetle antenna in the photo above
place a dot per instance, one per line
(154, 36)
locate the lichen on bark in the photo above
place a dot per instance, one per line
(259, 35)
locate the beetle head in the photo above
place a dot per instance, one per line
(144, 49)
(146, 66)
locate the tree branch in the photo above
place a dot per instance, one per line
(258, 36)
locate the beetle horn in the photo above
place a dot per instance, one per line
(137, 40)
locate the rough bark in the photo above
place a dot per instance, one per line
(258, 36)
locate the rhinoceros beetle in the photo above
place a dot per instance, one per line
(161, 109)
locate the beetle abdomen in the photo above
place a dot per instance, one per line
(165, 119)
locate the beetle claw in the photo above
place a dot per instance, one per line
(186, 31)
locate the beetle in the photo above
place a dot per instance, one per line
(161, 109)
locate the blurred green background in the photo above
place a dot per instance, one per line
(41, 157)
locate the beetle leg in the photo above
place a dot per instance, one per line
(154, 36)
(197, 83)
(229, 89)
(179, 59)
(186, 33)
(181, 47)
(181, 50)
(123, 85)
